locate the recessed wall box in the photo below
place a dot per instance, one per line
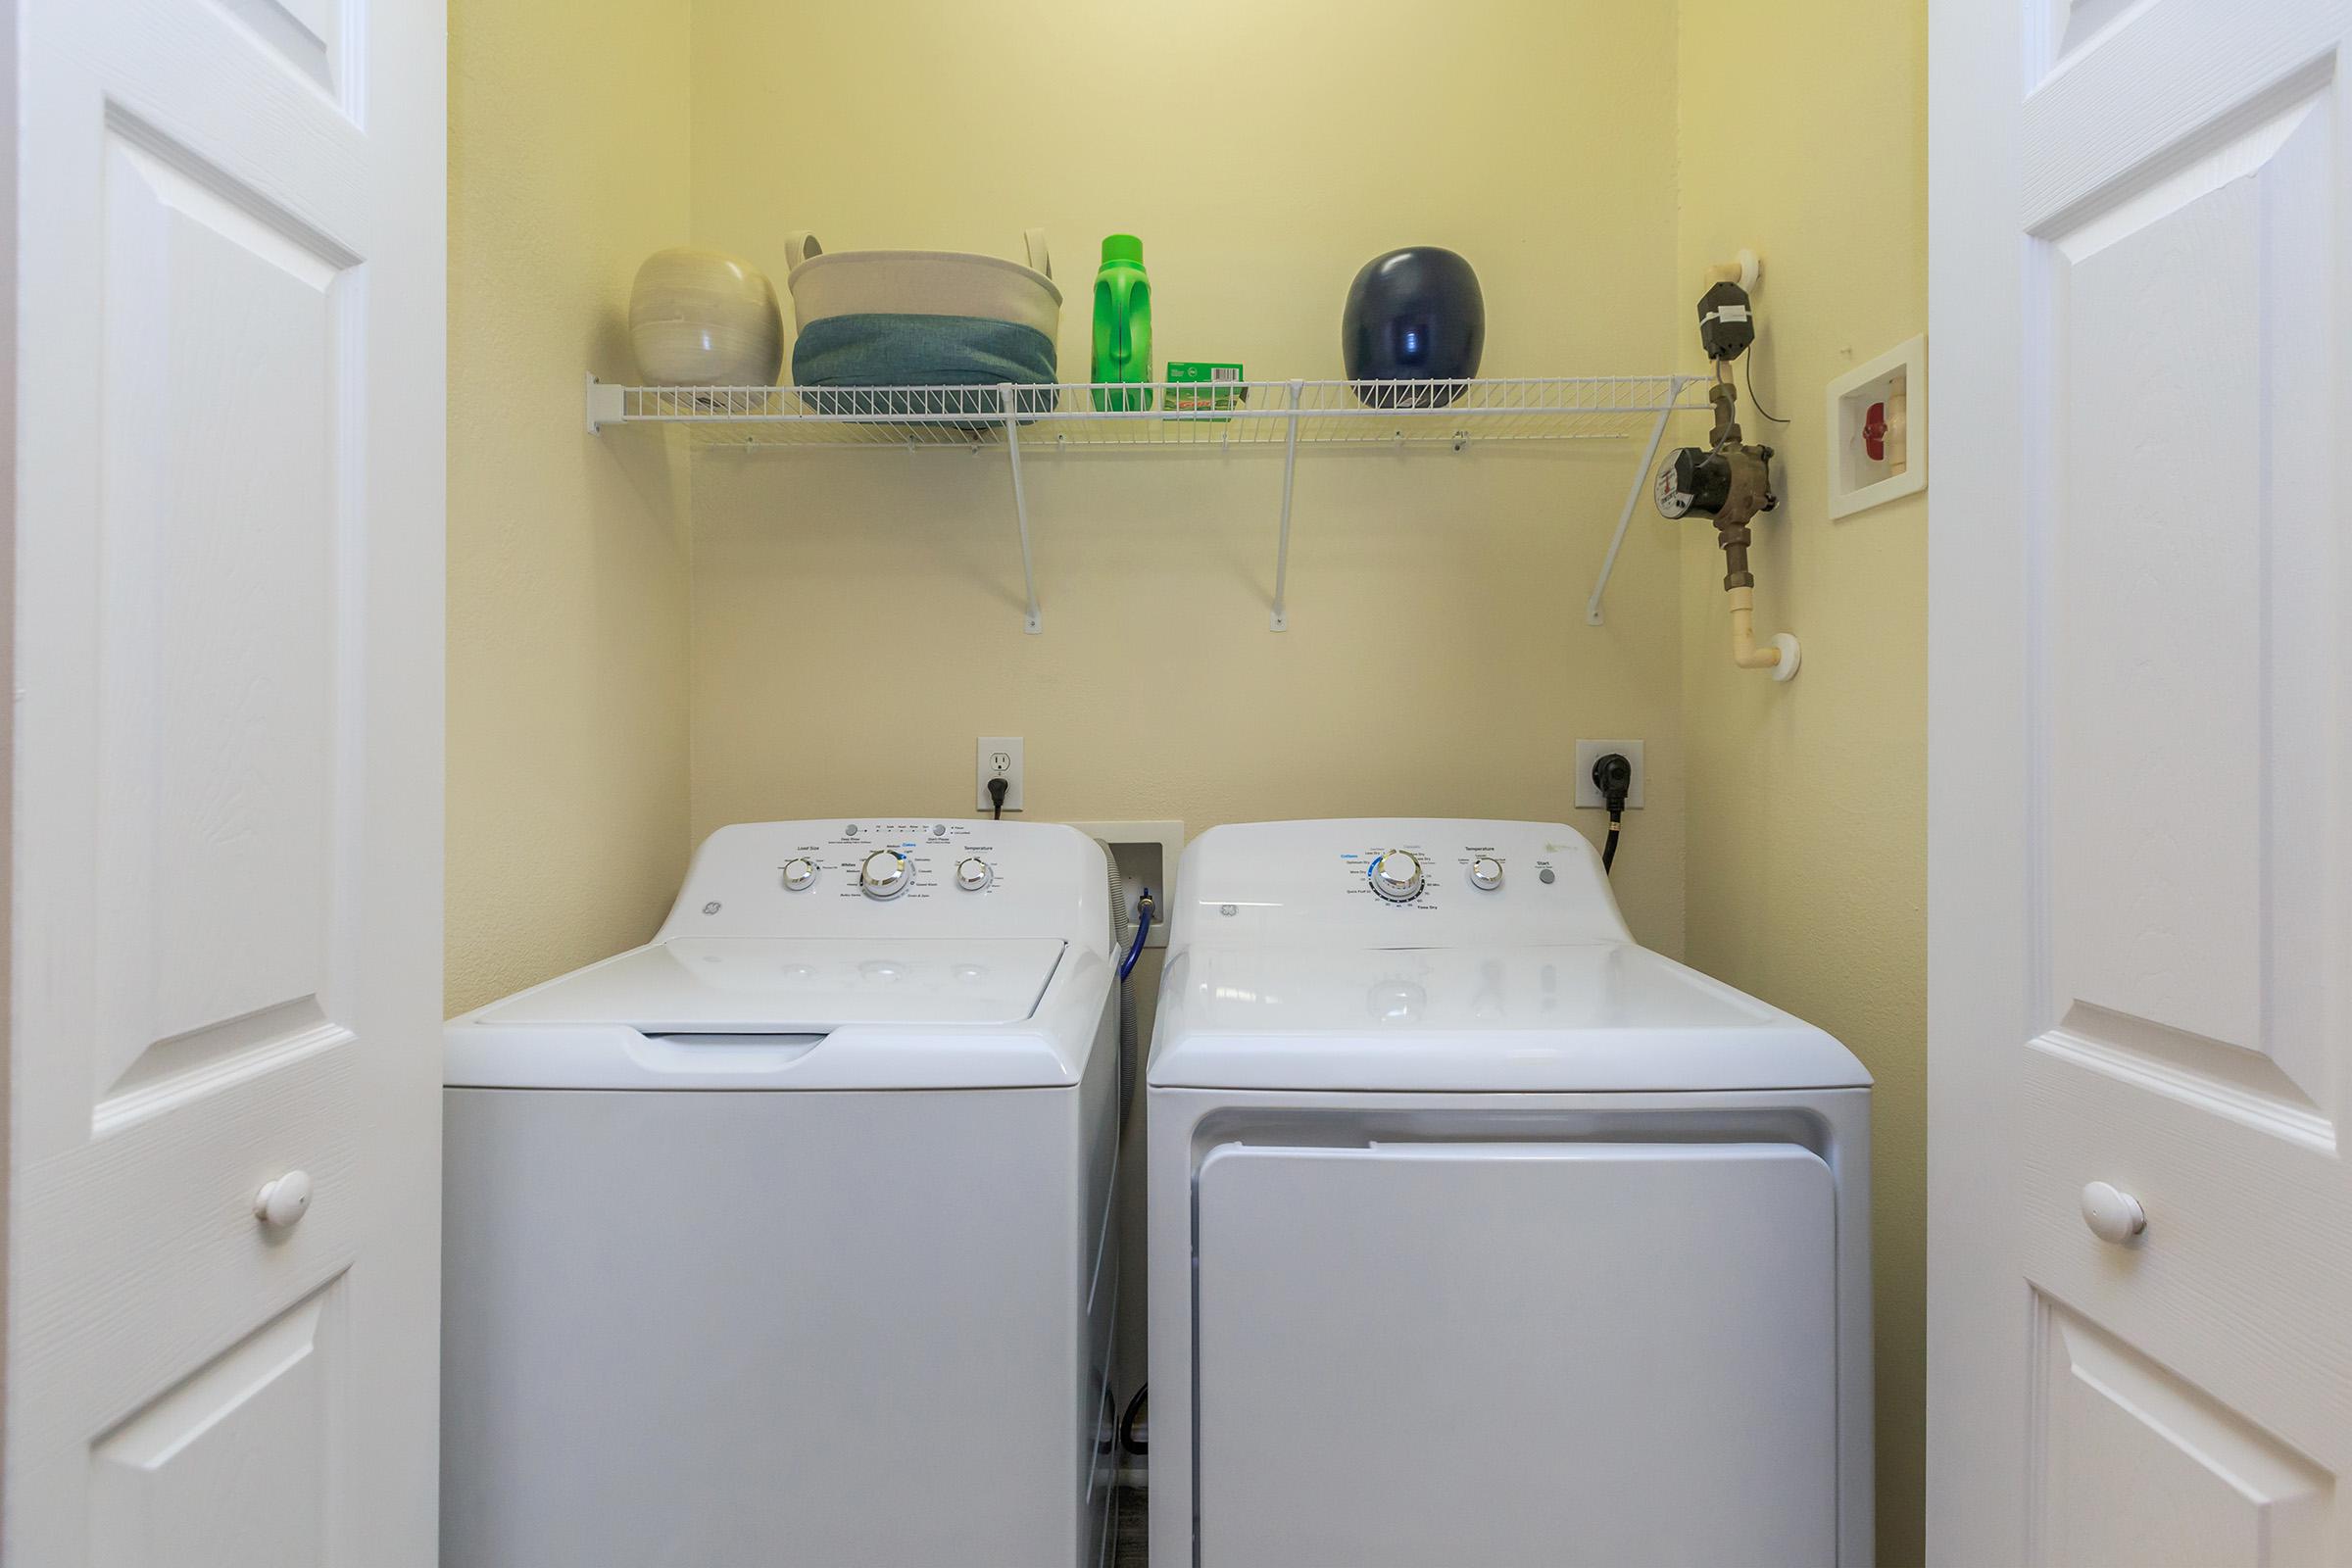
(1878, 419)
(1146, 854)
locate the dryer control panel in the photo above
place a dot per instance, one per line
(904, 876)
(1394, 882)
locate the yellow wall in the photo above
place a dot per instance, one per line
(857, 615)
(567, 587)
(857, 619)
(1806, 140)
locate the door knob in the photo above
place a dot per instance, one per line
(2113, 1214)
(285, 1201)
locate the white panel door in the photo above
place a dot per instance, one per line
(2140, 799)
(224, 922)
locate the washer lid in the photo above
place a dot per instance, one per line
(769, 986)
(1592, 1018)
(797, 1013)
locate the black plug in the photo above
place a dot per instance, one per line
(1000, 786)
(1613, 777)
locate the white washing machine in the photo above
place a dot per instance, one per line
(786, 1237)
(1481, 1236)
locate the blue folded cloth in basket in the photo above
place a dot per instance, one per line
(926, 351)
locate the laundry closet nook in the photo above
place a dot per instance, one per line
(670, 612)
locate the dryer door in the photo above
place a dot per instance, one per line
(1495, 1354)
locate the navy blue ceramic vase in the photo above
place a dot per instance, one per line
(1413, 315)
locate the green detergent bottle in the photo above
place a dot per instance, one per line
(1122, 325)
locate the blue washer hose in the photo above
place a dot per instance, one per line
(1143, 929)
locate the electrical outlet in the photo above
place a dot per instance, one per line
(1590, 752)
(1000, 757)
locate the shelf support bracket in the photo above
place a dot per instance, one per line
(604, 406)
(1282, 548)
(1020, 505)
(1633, 500)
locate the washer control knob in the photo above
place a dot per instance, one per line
(798, 875)
(885, 875)
(1397, 876)
(1486, 873)
(973, 874)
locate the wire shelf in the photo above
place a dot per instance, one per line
(1452, 413)
(1219, 416)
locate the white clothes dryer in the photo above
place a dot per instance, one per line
(787, 1237)
(1481, 1234)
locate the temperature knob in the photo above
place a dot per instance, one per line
(973, 874)
(1397, 876)
(1486, 873)
(885, 875)
(798, 875)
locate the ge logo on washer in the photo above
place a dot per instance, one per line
(711, 908)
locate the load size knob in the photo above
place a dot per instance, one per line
(1397, 876)
(885, 875)
(799, 874)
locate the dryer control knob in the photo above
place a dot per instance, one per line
(1397, 876)
(798, 875)
(885, 875)
(973, 874)
(1486, 872)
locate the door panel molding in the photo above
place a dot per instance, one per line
(225, 918)
(2140, 811)
(2153, 1468)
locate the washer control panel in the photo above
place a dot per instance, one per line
(889, 860)
(940, 876)
(1412, 870)
(1424, 882)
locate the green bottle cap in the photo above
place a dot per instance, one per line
(1122, 248)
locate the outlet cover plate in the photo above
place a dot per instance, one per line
(1147, 854)
(997, 754)
(1590, 752)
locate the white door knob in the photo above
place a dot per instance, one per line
(2113, 1214)
(285, 1201)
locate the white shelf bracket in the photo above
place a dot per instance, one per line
(1020, 504)
(604, 406)
(1282, 548)
(1625, 519)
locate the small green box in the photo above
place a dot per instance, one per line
(1218, 384)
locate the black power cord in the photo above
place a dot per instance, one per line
(1751, 395)
(1128, 1441)
(998, 788)
(1613, 777)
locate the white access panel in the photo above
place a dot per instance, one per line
(1493, 1355)
(720, 1330)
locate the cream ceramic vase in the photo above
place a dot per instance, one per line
(700, 317)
